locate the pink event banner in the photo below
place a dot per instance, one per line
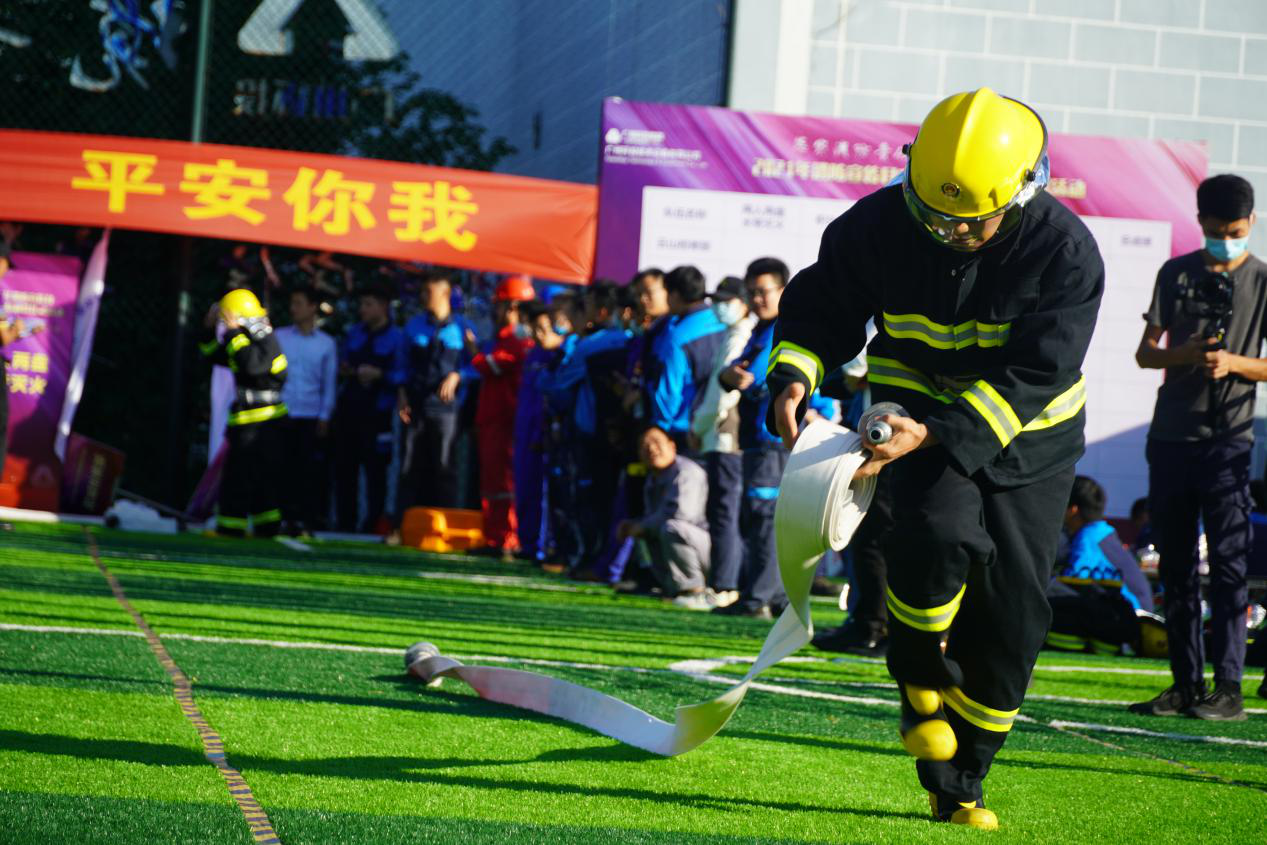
(717, 149)
(40, 290)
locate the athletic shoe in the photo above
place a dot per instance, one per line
(967, 813)
(725, 598)
(822, 587)
(760, 611)
(1224, 704)
(703, 600)
(852, 639)
(1175, 700)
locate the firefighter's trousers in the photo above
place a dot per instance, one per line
(249, 491)
(969, 561)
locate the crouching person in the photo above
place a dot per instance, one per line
(674, 529)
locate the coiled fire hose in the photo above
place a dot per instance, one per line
(819, 507)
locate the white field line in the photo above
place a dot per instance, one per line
(1117, 729)
(502, 581)
(697, 669)
(293, 544)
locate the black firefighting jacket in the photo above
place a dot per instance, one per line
(984, 348)
(255, 356)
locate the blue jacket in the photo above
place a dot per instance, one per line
(687, 349)
(1096, 553)
(379, 349)
(430, 352)
(570, 386)
(754, 401)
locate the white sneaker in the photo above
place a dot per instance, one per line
(696, 601)
(725, 598)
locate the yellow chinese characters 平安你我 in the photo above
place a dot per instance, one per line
(447, 208)
(225, 190)
(118, 174)
(331, 202)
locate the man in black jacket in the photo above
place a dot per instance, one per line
(249, 491)
(984, 291)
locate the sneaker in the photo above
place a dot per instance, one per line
(852, 639)
(1175, 700)
(703, 600)
(760, 611)
(725, 598)
(1223, 704)
(822, 587)
(967, 813)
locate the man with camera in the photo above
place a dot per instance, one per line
(1213, 304)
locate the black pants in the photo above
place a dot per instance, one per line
(361, 441)
(1090, 614)
(972, 561)
(762, 472)
(598, 468)
(428, 470)
(305, 500)
(725, 498)
(868, 583)
(250, 489)
(1206, 480)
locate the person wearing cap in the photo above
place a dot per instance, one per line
(250, 494)
(715, 428)
(363, 409)
(985, 292)
(1213, 304)
(500, 371)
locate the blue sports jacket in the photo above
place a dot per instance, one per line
(687, 350)
(379, 349)
(430, 352)
(1097, 554)
(569, 387)
(754, 401)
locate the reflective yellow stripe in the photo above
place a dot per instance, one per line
(1101, 647)
(237, 342)
(807, 362)
(209, 347)
(986, 718)
(279, 364)
(982, 396)
(1064, 407)
(254, 415)
(231, 522)
(275, 515)
(1067, 642)
(925, 619)
(945, 336)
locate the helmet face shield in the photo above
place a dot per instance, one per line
(968, 234)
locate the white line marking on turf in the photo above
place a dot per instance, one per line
(696, 669)
(293, 544)
(1118, 729)
(501, 581)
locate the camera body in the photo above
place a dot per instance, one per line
(1209, 297)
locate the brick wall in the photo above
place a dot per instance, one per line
(1178, 69)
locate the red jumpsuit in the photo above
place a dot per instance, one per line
(500, 369)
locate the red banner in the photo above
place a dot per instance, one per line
(411, 212)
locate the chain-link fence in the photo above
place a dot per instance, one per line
(307, 75)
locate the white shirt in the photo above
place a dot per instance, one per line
(312, 362)
(717, 403)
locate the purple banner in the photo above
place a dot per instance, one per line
(653, 153)
(40, 290)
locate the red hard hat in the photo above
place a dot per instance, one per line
(516, 289)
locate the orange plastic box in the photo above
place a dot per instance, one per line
(442, 529)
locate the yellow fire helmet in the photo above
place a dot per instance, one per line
(1153, 641)
(241, 302)
(975, 163)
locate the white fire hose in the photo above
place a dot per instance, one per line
(819, 507)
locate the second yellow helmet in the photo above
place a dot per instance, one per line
(242, 303)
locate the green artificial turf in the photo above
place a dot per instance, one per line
(340, 746)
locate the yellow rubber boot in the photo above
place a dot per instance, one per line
(969, 814)
(927, 735)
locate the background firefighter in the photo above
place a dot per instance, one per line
(249, 491)
(985, 292)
